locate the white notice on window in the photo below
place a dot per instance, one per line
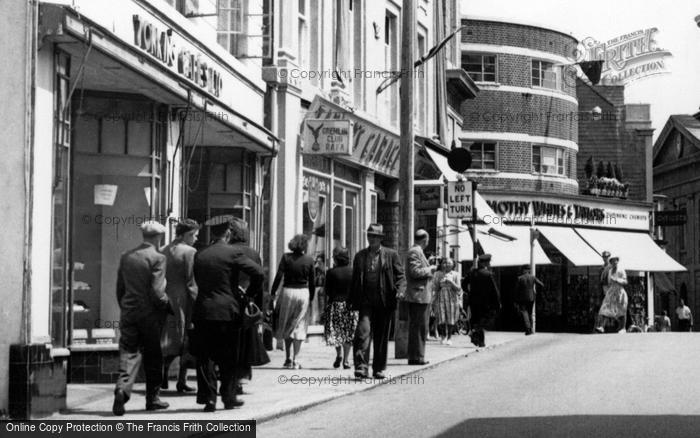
(105, 194)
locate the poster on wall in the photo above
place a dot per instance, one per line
(105, 194)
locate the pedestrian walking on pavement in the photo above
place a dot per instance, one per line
(182, 293)
(419, 295)
(484, 299)
(525, 296)
(298, 288)
(218, 315)
(685, 317)
(614, 304)
(254, 292)
(340, 321)
(448, 299)
(377, 280)
(599, 324)
(144, 305)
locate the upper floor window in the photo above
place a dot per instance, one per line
(483, 155)
(303, 29)
(549, 160)
(545, 74)
(230, 27)
(481, 68)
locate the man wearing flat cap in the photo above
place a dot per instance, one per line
(484, 299)
(419, 274)
(377, 279)
(144, 306)
(182, 292)
(217, 315)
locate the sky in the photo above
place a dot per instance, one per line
(675, 92)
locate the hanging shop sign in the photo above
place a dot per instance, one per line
(564, 212)
(373, 147)
(670, 218)
(327, 137)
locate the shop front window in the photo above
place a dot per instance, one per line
(116, 185)
(60, 277)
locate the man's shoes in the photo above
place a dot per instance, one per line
(210, 407)
(287, 364)
(156, 404)
(336, 364)
(418, 362)
(359, 374)
(528, 333)
(119, 401)
(184, 388)
(379, 375)
(234, 404)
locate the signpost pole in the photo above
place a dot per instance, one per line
(533, 239)
(475, 251)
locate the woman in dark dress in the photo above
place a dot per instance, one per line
(297, 270)
(340, 321)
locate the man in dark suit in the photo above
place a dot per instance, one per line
(377, 279)
(217, 314)
(419, 274)
(525, 296)
(484, 299)
(144, 306)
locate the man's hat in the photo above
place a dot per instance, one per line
(420, 234)
(375, 230)
(484, 258)
(606, 254)
(152, 228)
(220, 224)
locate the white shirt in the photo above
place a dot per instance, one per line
(683, 312)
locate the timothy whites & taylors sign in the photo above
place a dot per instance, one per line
(460, 200)
(327, 137)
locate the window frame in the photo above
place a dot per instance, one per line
(540, 78)
(482, 73)
(241, 34)
(560, 153)
(470, 144)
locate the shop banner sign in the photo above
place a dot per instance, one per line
(670, 218)
(327, 137)
(460, 200)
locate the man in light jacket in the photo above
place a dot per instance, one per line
(419, 273)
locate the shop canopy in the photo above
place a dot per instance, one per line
(571, 245)
(509, 246)
(637, 251)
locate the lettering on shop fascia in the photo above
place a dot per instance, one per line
(159, 44)
(518, 211)
(372, 147)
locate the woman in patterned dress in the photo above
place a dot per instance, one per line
(340, 321)
(448, 299)
(614, 304)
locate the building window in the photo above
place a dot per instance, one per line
(60, 273)
(682, 230)
(549, 160)
(420, 86)
(230, 26)
(545, 75)
(303, 35)
(481, 68)
(391, 61)
(357, 50)
(483, 155)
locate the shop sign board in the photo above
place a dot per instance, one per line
(460, 199)
(327, 137)
(544, 211)
(373, 146)
(670, 218)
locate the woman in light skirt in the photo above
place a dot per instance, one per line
(297, 270)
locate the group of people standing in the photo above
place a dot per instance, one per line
(177, 301)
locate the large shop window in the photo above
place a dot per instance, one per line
(548, 160)
(545, 74)
(221, 181)
(60, 277)
(118, 148)
(483, 155)
(481, 68)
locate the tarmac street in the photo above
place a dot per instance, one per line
(547, 385)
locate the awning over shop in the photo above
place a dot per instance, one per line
(571, 245)
(507, 252)
(440, 161)
(637, 251)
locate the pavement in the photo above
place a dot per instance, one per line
(274, 391)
